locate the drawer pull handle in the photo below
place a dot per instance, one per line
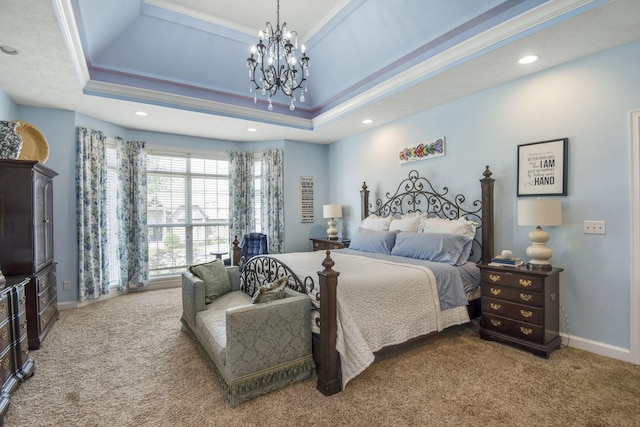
(494, 277)
(5, 335)
(526, 331)
(525, 282)
(22, 300)
(526, 313)
(5, 364)
(3, 307)
(525, 297)
(495, 322)
(553, 296)
(495, 306)
(44, 301)
(23, 325)
(495, 291)
(43, 322)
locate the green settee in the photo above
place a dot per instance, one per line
(253, 348)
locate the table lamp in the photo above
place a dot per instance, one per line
(332, 212)
(539, 212)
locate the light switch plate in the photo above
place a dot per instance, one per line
(594, 227)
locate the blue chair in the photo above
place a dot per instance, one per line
(252, 244)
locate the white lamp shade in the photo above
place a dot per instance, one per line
(539, 212)
(332, 211)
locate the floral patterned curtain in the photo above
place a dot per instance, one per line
(131, 207)
(273, 199)
(91, 209)
(131, 202)
(241, 195)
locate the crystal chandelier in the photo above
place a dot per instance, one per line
(276, 66)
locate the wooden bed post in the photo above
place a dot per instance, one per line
(488, 230)
(329, 381)
(364, 201)
(235, 256)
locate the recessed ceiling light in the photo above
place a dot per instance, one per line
(141, 113)
(367, 121)
(8, 50)
(252, 130)
(528, 59)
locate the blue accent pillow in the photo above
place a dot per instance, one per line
(380, 242)
(447, 248)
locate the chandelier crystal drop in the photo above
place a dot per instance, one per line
(275, 65)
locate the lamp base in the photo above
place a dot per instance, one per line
(538, 267)
(539, 253)
(332, 231)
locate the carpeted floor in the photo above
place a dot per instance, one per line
(125, 362)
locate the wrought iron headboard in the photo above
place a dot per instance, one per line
(417, 194)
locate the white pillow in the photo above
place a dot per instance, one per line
(376, 223)
(411, 224)
(458, 226)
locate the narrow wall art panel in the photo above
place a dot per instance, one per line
(430, 149)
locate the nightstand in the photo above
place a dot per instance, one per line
(520, 307)
(326, 244)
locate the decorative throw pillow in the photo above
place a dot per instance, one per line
(447, 248)
(458, 226)
(215, 278)
(379, 242)
(271, 291)
(376, 223)
(411, 224)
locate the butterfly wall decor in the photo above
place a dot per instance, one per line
(425, 150)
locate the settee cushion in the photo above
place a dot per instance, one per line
(271, 291)
(211, 323)
(215, 278)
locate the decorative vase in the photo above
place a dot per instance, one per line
(10, 140)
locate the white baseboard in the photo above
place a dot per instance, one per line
(154, 285)
(596, 347)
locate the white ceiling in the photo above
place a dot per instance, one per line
(49, 73)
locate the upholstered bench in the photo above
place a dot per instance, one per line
(253, 347)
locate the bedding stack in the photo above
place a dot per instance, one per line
(417, 236)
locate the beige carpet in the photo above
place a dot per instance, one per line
(125, 362)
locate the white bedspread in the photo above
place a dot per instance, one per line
(379, 303)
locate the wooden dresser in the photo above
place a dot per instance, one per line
(326, 244)
(520, 307)
(26, 232)
(15, 363)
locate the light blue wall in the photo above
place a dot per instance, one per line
(589, 102)
(8, 108)
(59, 127)
(304, 160)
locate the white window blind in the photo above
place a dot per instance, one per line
(187, 211)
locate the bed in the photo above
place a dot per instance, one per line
(355, 315)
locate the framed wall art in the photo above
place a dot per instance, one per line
(426, 150)
(306, 199)
(542, 168)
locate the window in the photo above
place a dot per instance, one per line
(257, 180)
(187, 211)
(112, 250)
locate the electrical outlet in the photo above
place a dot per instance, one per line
(594, 227)
(66, 285)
